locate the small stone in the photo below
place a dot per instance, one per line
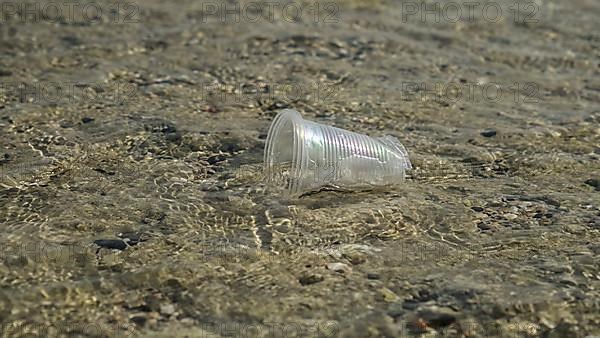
(510, 216)
(214, 159)
(483, 226)
(308, 279)
(139, 320)
(594, 182)
(173, 137)
(395, 310)
(87, 119)
(438, 317)
(355, 257)
(132, 238)
(574, 228)
(567, 280)
(410, 304)
(167, 309)
(338, 267)
(477, 209)
(373, 275)
(65, 124)
(111, 244)
(388, 295)
(488, 133)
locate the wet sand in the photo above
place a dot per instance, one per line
(131, 193)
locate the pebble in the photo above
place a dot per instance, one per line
(574, 228)
(594, 182)
(373, 275)
(65, 124)
(510, 216)
(139, 320)
(309, 279)
(338, 267)
(131, 238)
(395, 310)
(87, 119)
(167, 309)
(437, 317)
(567, 280)
(111, 244)
(388, 295)
(483, 226)
(488, 133)
(214, 159)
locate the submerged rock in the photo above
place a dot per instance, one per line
(488, 133)
(111, 244)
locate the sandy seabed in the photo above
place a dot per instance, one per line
(131, 193)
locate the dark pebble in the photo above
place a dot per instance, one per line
(215, 159)
(373, 275)
(437, 319)
(395, 310)
(230, 147)
(102, 171)
(66, 124)
(71, 40)
(5, 72)
(483, 226)
(227, 176)
(488, 133)
(169, 128)
(277, 106)
(410, 304)
(87, 119)
(5, 158)
(173, 137)
(111, 244)
(478, 209)
(132, 238)
(594, 182)
(139, 320)
(310, 279)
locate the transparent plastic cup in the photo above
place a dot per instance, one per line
(302, 155)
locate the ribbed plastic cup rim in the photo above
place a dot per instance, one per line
(296, 121)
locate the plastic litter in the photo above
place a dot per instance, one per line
(302, 155)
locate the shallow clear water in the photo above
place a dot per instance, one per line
(155, 134)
